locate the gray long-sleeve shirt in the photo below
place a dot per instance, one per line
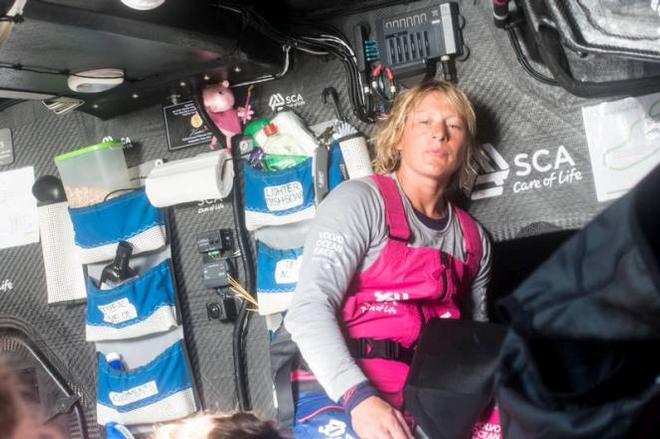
(347, 236)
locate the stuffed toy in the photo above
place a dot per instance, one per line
(219, 104)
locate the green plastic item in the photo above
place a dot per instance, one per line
(273, 162)
(255, 125)
(88, 149)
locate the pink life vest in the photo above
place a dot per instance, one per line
(404, 288)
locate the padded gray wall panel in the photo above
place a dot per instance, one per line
(515, 113)
(38, 136)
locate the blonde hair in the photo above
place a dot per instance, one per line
(390, 131)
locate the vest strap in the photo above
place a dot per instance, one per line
(395, 216)
(472, 241)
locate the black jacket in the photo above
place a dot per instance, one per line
(581, 357)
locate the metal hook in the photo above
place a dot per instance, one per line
(332, 92)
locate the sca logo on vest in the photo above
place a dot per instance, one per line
(277, 100)
(556, 168)
(390, 296)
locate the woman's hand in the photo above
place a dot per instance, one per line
(374, 418)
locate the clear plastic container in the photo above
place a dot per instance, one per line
(277, 143)
(291, 124)
(288, 123)
(90, 174)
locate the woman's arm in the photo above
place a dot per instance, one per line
(480, 284)
(346, 224)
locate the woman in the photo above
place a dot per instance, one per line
(385, 254)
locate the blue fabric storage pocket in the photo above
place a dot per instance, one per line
(277, 277)
(281, 197)
(140, 306)
(336, 166)
(129, 217)
(159, 391)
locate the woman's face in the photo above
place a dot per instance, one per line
(433, 139)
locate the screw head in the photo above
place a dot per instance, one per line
(213, 311)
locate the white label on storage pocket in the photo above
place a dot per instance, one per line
(284, 196)
(286, 270)
(118, 311)
(134, 394)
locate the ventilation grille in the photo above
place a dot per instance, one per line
(62, 104)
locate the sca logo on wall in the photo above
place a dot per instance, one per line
(278, 101)
(492, 171)
(210, 205)
(552, 168)
(541, 169)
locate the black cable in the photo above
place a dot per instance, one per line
(240, 371)
(4, 104)
(466, 54)
(321, 28)
(248, 268)
(461, 22)
(359, 102)
(465, 48)
(520, 56)
(348, 8)
(362, 105)
(340, 52)
(112, 192)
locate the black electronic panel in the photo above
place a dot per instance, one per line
(418, 36)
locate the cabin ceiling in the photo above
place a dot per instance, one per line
(161, 51)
